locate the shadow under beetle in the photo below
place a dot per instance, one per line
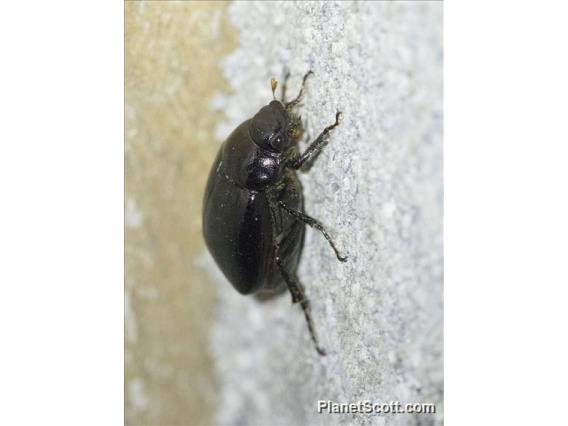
(253, 219)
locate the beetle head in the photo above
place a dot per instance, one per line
(269, 127)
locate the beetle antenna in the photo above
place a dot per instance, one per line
(274, 85)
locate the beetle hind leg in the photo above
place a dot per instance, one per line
(295, 288)
(305, 304)
(298, 296)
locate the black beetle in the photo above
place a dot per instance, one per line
(253, 219)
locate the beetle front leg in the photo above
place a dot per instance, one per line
(316, 146)
(285, 86)
(314, 223)
(296, 101)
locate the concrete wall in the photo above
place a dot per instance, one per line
(377, 187)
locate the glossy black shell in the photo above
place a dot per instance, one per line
(237, 224)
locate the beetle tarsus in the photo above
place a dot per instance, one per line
(306, 308)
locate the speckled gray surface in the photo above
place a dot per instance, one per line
(377, 187)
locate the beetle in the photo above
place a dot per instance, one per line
(253, 212)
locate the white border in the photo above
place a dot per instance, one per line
(506, 212)
(61, 235)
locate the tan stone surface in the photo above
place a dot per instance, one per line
(172, 52)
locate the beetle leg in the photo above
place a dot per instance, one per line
(314, 223)
(316, 146)
(294, 286)
(295, 289)
(298, 296)
(305, 304)
(285, 86)
(296, 101)
(276, 220)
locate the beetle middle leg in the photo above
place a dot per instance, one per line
(314, 223)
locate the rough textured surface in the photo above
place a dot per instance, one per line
(377, 187)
